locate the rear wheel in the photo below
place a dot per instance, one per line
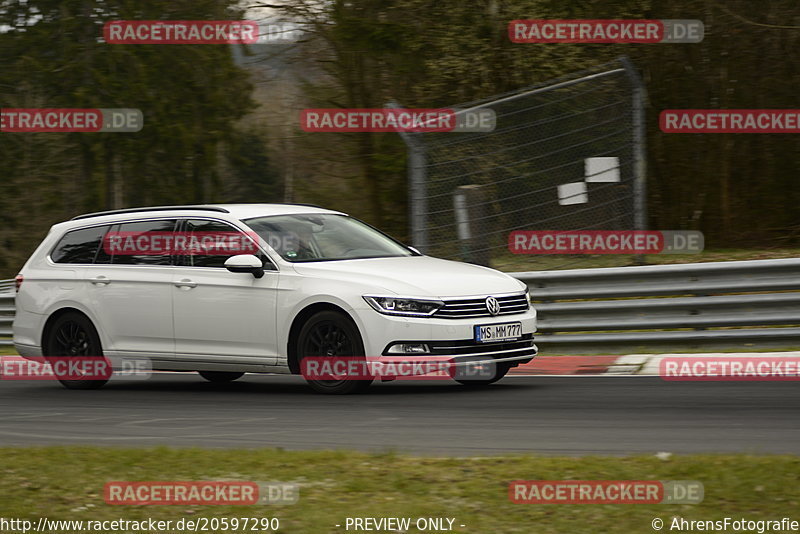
(220, 377)
(74, 336)
(331, 334)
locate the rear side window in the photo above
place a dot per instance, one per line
(79, 246)
(131, 231)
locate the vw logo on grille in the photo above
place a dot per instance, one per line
(492, 305)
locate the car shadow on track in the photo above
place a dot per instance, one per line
(286, 385)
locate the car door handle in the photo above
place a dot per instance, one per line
(185, 283)
(100, 281)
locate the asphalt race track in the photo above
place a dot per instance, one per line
(547, 415)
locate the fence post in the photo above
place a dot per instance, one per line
(470, 212)
(418, 201)
(639, 150)
(417, 186)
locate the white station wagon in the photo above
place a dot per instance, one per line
(314, 282)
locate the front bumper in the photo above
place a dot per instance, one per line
(448, 337)
(464, 360)
(465, 352)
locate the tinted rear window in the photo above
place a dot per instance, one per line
(79, 246)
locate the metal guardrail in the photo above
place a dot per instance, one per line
(6, 310)
(742, 305)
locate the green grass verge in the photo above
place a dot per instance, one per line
(67, 483)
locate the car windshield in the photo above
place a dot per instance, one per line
(324, 237)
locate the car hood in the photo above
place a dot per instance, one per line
(415, 276)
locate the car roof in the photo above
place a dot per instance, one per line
(236, 211)
(247, 211)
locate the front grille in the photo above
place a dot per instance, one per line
(476, 307)
(520, 347)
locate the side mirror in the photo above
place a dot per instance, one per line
(415, 250)
(245, 263)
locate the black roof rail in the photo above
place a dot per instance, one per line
(157, 208)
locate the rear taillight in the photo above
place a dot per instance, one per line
(18, 281)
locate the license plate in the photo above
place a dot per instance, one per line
(498, 332)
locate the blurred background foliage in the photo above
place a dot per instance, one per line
(221, 122)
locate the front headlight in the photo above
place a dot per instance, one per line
(404, 306)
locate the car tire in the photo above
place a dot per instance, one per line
(220, 377)
(330, 333)
(73, 335)
(501, 369)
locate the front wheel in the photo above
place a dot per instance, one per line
(74, 336)
(331, 334)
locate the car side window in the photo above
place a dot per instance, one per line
(142, 251)
(203, 228)
(79, 246)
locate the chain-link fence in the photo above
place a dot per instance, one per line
(567, 154)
